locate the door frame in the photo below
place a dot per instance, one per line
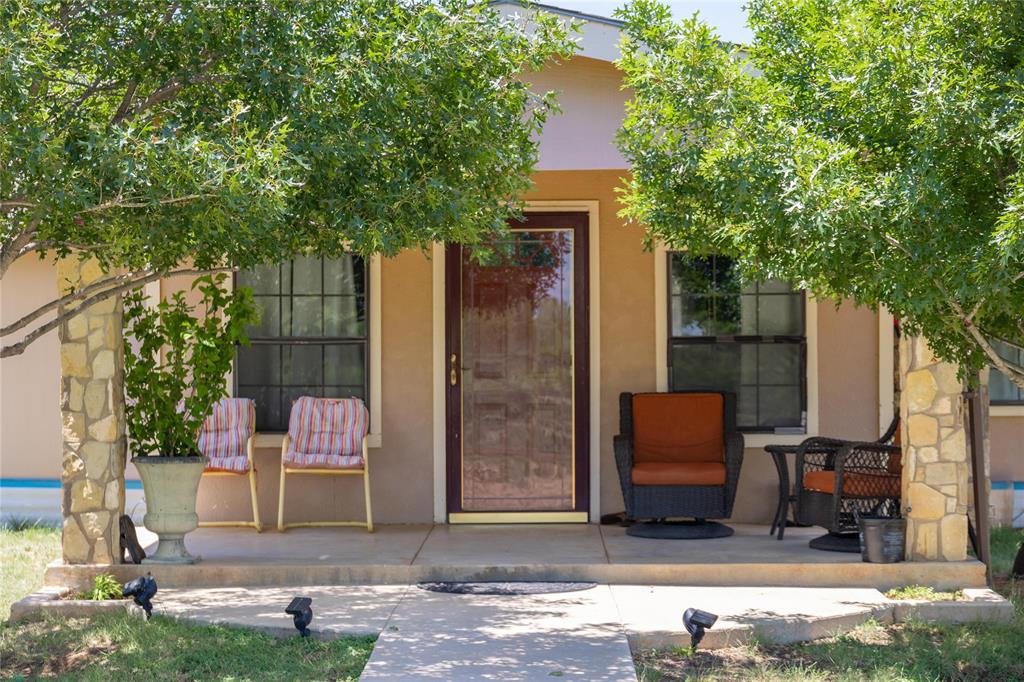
(576, 222)
(440, 360)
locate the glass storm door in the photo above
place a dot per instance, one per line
(517, 374)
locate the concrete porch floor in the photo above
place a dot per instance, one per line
(405, 554)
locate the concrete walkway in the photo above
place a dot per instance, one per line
(583, 635)
(431, 636)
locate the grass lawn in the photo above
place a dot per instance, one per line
(117, 647)
(25, 552)
(911, 651)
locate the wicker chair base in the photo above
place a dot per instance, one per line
(837, 542)
(680, 530)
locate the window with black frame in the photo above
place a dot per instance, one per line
(746, 338)
(311, 340)
(1002, 391)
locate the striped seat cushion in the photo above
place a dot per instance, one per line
(225, 435)
(327, 433)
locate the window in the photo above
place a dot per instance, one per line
(311, 340)
(747, 339)
(1002, 391)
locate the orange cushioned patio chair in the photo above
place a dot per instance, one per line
(678, 454)
(226, 440)
(837, 480)
(327, 437)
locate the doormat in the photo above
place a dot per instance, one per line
(680, 530)
(510, 588)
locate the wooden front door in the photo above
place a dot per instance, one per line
(517, 383)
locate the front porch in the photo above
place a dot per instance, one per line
(407, 554)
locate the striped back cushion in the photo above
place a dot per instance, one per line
(328, 426)
(226, 431)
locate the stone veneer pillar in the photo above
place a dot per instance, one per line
(92, 417)
(936, 469)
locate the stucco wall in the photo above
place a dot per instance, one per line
(592, 105)
(1007, 442)
(30, 440)
(400, 470)
(402, 479)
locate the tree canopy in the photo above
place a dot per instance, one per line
(165, 136)
(865, 149)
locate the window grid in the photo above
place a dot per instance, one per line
(758, 341)
(286, 343)
(1002, 391)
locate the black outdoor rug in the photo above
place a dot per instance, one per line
(680, 530)
(508, 588)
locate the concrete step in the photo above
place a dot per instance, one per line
(219, 573)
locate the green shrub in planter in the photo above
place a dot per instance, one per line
(177, 359)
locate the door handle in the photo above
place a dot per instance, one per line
(453, 376)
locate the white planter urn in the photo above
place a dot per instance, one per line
(170, 485)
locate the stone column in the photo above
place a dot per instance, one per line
(92, 415)
(936, 471)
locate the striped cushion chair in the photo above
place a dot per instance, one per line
(226, 440)
(326, 436)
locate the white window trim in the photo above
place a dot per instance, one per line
(1006, 410)
(374, 438)
(591, 208)
(661, 322)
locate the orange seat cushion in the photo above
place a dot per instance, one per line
(678, 428)
(673, 473)
(855, 483)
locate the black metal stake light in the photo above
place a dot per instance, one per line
(301, 612)
(142, 590)
(696, 622)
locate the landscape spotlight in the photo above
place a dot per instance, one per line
(302, 612)
(142, 590)
(696, 622)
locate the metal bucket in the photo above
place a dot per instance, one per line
(882, 539)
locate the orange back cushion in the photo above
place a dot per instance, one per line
(678, 427)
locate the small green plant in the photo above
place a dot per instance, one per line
(923, 593)
(104, 586)
(177, 356)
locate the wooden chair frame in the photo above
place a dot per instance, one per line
(251, 474)
(363, 471)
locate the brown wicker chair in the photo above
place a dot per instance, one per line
(837, 480)
(678, 454)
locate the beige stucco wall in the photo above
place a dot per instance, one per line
(402, 478)
(30, 440)
(592, 103)
(1007, 442)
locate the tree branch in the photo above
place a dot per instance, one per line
(15, 248)
(163, 93)
(97, 286)
(1011, 371)
(19, 347)
(120, 203)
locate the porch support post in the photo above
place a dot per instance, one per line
(92, 418)
(936, 470)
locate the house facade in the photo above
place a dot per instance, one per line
(493, 388)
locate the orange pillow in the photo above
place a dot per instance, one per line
(678, 427)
